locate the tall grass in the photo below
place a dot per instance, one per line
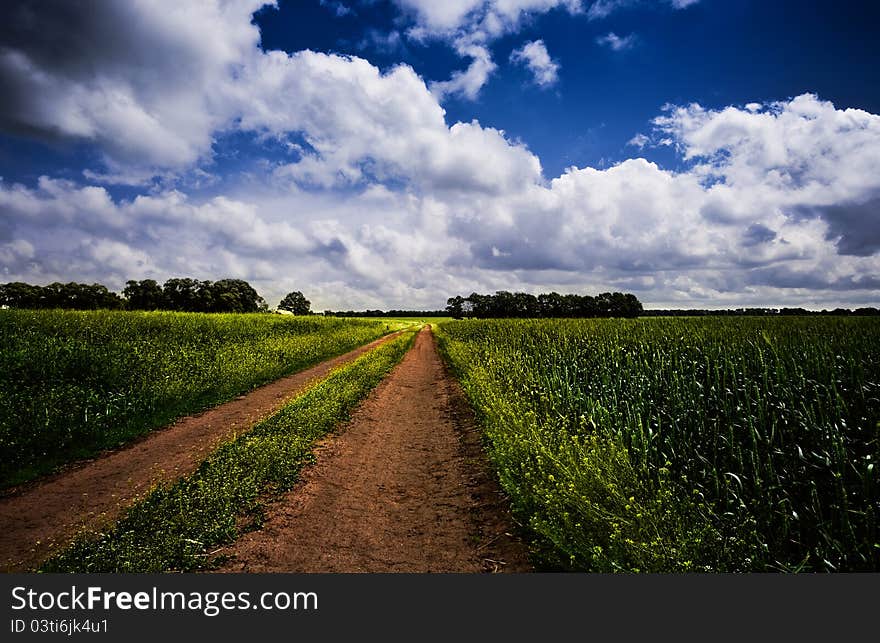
(683, 444)
(73, 383)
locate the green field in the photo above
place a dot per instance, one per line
(714, 444)
(73, 383)
(650, 445)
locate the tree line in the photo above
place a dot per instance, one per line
(57, 295)
(180, 294)
(520, 304)
(194, 296)
(760, 312)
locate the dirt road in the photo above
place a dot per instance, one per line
(38, 517)
(402, 487)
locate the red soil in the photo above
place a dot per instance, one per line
(403, 487)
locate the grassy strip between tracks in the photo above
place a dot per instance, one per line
(175, 527)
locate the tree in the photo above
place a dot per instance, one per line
(143, 295)
(181, 294)
(455, 307)
(551, 305)
(296, 303)
(20, 295)
(233, 296)
(71, 295)
(519, 304)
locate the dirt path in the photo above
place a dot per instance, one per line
(403, 487)
(39, 516)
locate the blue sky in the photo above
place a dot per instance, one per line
(715, 53)
(379, 153)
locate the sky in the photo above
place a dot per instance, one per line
(394, 153)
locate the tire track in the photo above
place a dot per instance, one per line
(404, 487)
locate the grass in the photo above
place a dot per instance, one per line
(75, 383)
(708, 444)
(175, 527)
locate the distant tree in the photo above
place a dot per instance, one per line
(181, 294)
(71, 295)
(20, 295)
(583, 306)
(551, 305)
(143, 295)
(77, 296)
(508, 304)
(455, 307)
(223, 296)
(296, 303)
(525, 304)
(478, 306)
(232, 296)
(633, 307)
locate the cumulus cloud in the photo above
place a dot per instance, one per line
(364, 126)
(470, 26)
(391, 206)
(804, 156)
(707, 236)
(141, 81)
(536, 58)
(340, 251)
(617, 43)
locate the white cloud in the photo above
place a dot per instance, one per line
(639, 141)
(780, 205)
(483, 20)
(140, 80)
(389, 42)
(617, 43)
(603, 8)
(470, 26)
(803, 156)
(711, 236)
(469, 82)
(442, 16)
(534, 55)
(366, 126)
(805, 148)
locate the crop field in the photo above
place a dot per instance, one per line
(73, 383)
(668, 444)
